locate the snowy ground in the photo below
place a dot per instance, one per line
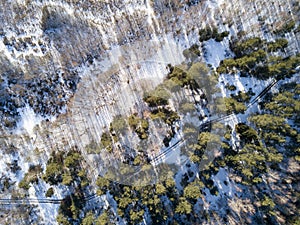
(215, 52)
(226, 188)
(29, 120)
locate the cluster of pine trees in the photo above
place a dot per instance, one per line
(260, 58)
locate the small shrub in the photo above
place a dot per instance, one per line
(187, 107)
(118, 124)
(233, 106)
(140, 126)
(106, 141)
(220, 36)
(207, 33)
(211, 33)
(168, 116)
(247, 47)
(192, 53)
(279, 44)
(49, 192)
(24, 184)
(286, 28)
(230, 87)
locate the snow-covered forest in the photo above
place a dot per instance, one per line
(149, 112)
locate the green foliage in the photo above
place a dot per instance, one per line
(190, 131)
(107, 141)
(124, 202)
(192, 190)
(283, 68)
(133, 121)
(118, 124)
(67, 179)
(245, 63)
(187, 107)
(196, 77)
(71, 206)
(72, 160)
(227, 135)
(198, 71)
(294, 220)
(74, 209)
(200, 77)
(279, 44)
(226, 65)
(192, 53)
(133, 201)
(172, 85)
(207, 33)
(103, 185)
(247, 47)
(54, 169)
(170, 183)
(62, 220)
(140, 126)
(221, 36)
(286, 28)
(183, 207)
(274, 130)
(272, 138)
(259, 55)
(225, 146)
(246, 133)
(190, 134)
(273, 157)
(242, 97)
(195, 49)
(195, 158)
(49, 192)
(31, 176)
(24, 184)
(233, 106)
(138, 160)
(211, 33)
(136, 216)
(268, 202)
(160, 189)
(53, 173)
(250, 162)
(65, 167)
(206, 140)
(158, 97)
(285, 104)
(103, 219)
(93, 147)
(230, 87)
(89, 219)
(179, 76)
(269, 123)
(168, 116)
(251, 58)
